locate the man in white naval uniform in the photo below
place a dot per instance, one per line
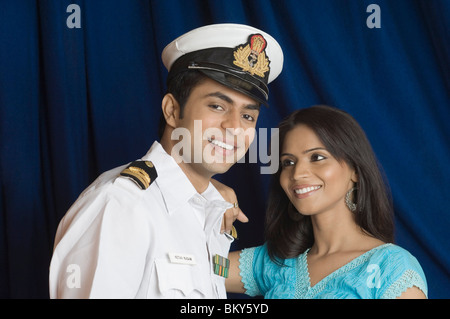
(152, 228)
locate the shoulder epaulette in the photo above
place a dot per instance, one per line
(143, 173)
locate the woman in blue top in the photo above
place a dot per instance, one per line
(329, 223)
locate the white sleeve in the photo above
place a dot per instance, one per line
(101, 248)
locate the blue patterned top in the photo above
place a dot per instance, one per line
(384, 272)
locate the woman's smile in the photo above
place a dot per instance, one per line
(303, 191)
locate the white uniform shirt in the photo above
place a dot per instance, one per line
(119, 241)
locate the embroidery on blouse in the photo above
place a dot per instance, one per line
(408, 279)
(304, 289)
(246, 267)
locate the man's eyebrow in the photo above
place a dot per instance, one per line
(256, 107)
(229, 100)
(221, 96)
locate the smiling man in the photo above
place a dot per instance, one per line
(152, 228)
(217, 127)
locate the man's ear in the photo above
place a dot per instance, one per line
(170, 110)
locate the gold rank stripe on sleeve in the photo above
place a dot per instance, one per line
(143, 173)
(221, 266)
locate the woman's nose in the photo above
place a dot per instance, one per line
(301, 170)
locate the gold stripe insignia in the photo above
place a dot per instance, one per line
(143, 173)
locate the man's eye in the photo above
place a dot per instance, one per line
(248, 117)
(216, 107)
(317, 157)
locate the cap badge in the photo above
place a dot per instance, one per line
(252, 57)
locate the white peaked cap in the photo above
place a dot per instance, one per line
(237, 55)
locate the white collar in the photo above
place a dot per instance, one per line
(173, 183)
(175, 187)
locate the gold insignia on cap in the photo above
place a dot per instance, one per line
(143, 173)
(252, 57)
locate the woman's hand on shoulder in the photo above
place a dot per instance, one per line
(232, 213)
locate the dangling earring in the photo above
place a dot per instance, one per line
(351, 205)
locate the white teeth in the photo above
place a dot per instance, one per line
(222, 144)
(306, 189)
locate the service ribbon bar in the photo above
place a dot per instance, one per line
(221, 266)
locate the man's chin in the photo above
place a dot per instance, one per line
(218, 167)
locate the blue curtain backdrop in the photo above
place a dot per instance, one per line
(75, 102)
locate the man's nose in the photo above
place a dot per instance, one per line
(232, 123)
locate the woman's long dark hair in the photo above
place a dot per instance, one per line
(288, 233)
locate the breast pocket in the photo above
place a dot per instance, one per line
(179, 280)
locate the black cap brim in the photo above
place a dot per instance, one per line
(231, 77)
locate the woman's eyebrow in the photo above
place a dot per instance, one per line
(305, 152)
(314, 149)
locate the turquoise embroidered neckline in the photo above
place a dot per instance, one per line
(304, 280)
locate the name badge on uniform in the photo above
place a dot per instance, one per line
(221, 266)
(177, 258)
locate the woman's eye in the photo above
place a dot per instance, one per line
(286, 163)
(317, 157)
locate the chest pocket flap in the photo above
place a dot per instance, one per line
(174, 279)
